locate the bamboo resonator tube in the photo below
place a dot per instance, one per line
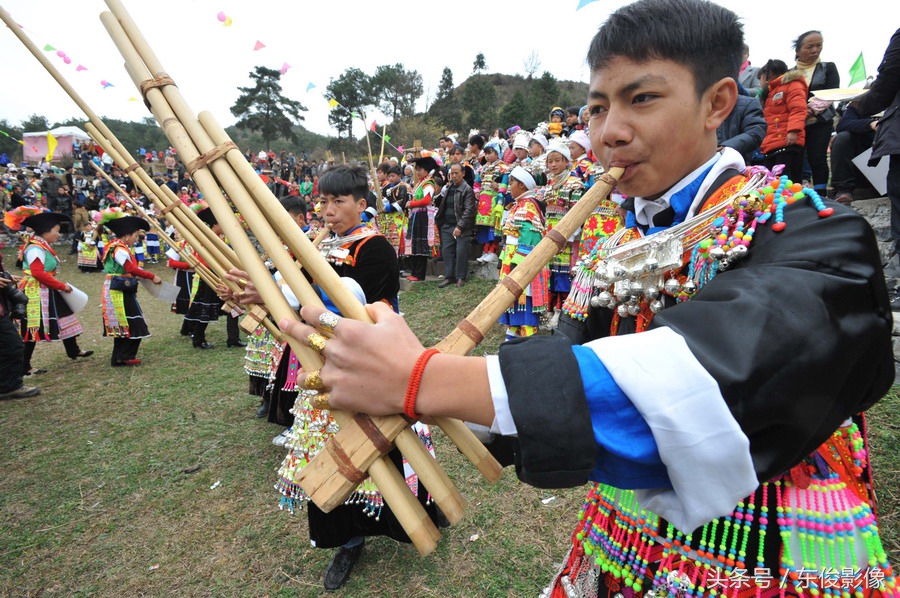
(190, 140)
(471, 331)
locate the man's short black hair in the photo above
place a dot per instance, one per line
(706, 38)
(345, 179)
(294, 204)
(573, 110)
(477, 141)
(395, 169)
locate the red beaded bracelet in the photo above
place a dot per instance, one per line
(412, 389)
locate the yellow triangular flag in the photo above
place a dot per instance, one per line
(51, 145)
(332, 103)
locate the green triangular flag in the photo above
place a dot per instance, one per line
(387, 138)
(858, 70)
(48, 48)
(354, 114)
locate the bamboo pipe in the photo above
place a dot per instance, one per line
(381, 155)
(92, 116)
(435, 479)
(325, 275)
(498, 300)
(372, 169)
(381, 469)
(191, 230)
(204, 272)
(219, 255)
(202, 269)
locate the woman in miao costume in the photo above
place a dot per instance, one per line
(563, 190)
(122, 316)
(48, 315)
(421, 237)
(524, 228)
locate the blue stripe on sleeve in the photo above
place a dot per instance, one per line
(627, 456)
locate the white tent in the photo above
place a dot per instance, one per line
(35, 144)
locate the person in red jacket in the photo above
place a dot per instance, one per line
(784, 107)
(48, 315)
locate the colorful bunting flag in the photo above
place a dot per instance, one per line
(354, 114)
(583, 3)
(858, 70)
(387, 138)
(48, 48)
(373, 126)
(258, 46)
(80, 68)
(310, 87)
(284, 68)
(332, 103)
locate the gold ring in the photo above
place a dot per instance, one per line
(328, 320)
(320, 401)
(316, 341)
(242, 282)
(313, 381)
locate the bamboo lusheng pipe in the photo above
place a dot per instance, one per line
(432, 476)
(100, 125)
(461, 341)
(435, 479)
(328, 279)
(198, 235)
(415, 521)
(202, 269)
(190, 227)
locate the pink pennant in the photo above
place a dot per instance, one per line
(258, 46)
(284, 68)
(80, 68)
(400, 149)
(221, 16)
(67, 60)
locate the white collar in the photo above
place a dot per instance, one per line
(726, 158)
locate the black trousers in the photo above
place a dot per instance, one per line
(455, 252)
(231, 329)
(893, 191)
(71, 345)
(792, 158)
(124, 349)
(418, 265)
(818, 136)
(11, 355)
(845, 146)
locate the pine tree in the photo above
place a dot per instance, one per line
(263, 108)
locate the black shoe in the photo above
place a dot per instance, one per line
(446, 283)
(23, 392)
(263, 409)
(82, 354)
(339, 569)
(440, 519)
(236, 344)
(895, 301)
(204, 345)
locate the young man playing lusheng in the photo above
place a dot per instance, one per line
(723, 440)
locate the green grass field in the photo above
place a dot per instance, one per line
(105, 480)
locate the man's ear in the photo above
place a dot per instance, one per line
(719, 100)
